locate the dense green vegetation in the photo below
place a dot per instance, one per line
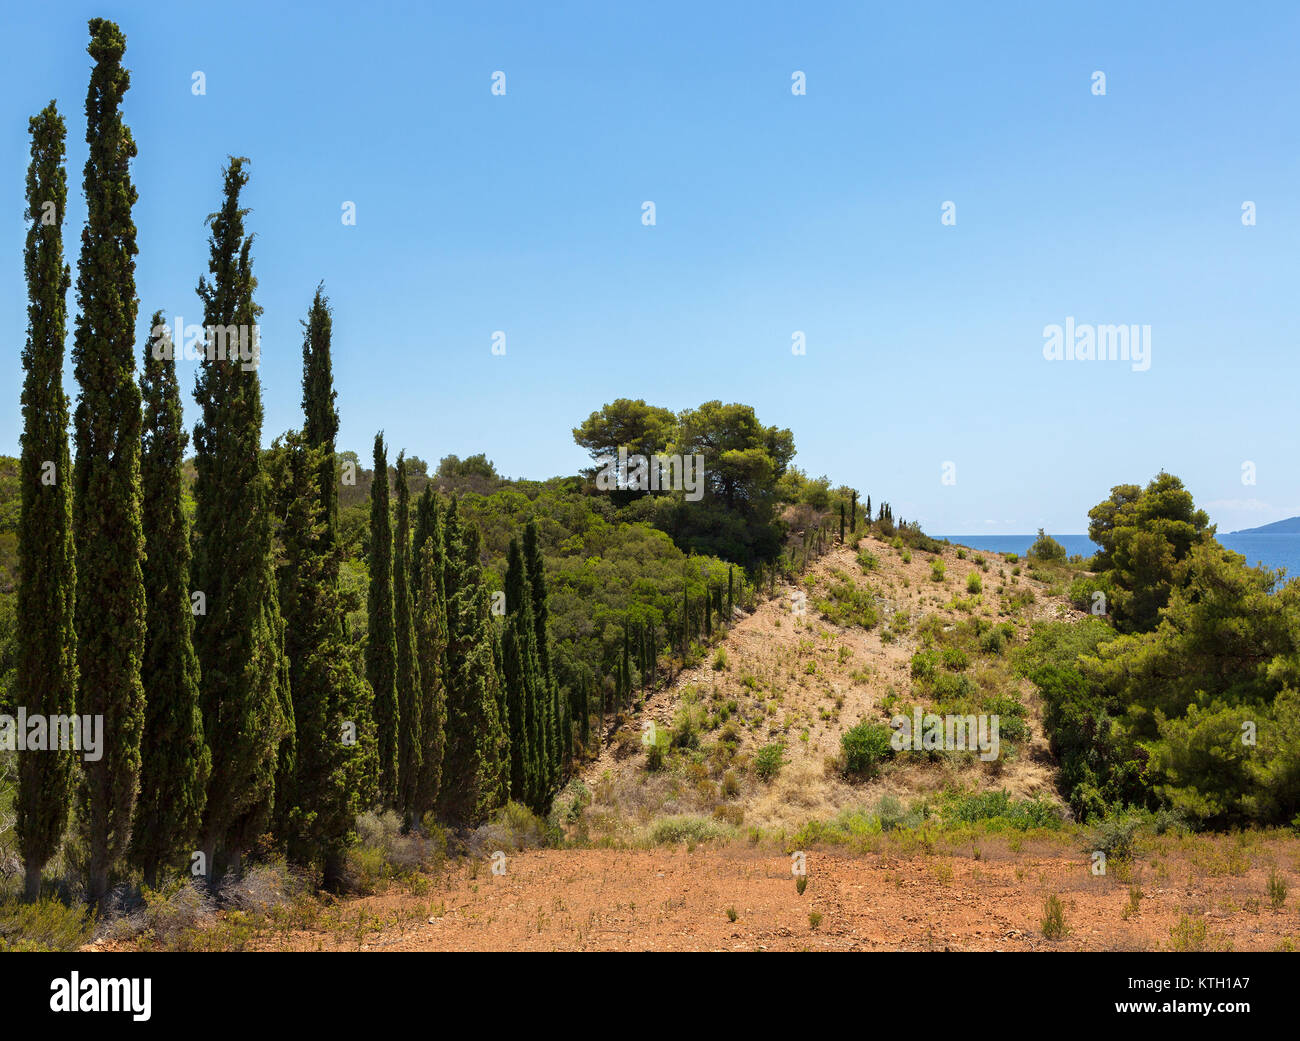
(1186, 694)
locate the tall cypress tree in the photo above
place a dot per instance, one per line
(174, 761)
(244, 688)
(431, 652)
(381, 643)
(853, 515)
(46, 676)
(426, 510)
(320, 791)
(520, 676)
(547, 691)
(409, 738)
(318, 396)
(332, 773)
(106, 507)
(475, 761)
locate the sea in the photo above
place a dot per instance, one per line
(1272, 551)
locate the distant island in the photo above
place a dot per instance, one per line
(1290, 526)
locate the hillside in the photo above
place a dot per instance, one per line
(803, 681)
(679, 858)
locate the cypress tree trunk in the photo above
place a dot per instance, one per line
(106, 506)
(45, 680)
(244, 686)
(409, 739)
(174, 760)
(381, 643)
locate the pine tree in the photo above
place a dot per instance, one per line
(409, 738)
(45, 682)
(174, 759)
(431, 651)
(106, 504)
(381, 643)
(244, 686)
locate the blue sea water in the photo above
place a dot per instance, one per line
(1272, 551)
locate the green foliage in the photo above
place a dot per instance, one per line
(410, 739)
(1146, 536)
(1046, 548)
(865, 746)
(381, 636)
(768, 761)
(244, 683)
(476, 759)
(39, 641)
(46, 925)
(175, 762)
(999, 809)
(110, 608)
(1053, 921)
(849, 604)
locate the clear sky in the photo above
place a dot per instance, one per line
(775, 213)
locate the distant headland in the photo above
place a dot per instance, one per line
(1290, 526)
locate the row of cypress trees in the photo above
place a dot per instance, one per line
(233, 700)
(468, 713)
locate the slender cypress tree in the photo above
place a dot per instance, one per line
(476, 757)
(46, 677)
(426, 511)
(520, 676)
(331, 778)
(584, 707)
(431, 651)
(867, 512)
(174, 761)
(409, 739)
(853, 515)
(319, 792)
(547, 691)
(106, 506)
(381, 643)
(318, 396)
(244, 688)
(841, 523)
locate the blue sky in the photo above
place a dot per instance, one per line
(775, 213)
